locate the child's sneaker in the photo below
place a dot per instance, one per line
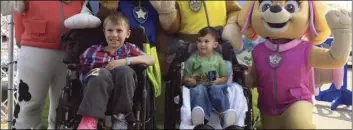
(87, 122)
(197, 116)
(228, 118)
(120, 123)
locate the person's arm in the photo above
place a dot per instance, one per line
(19, 28)
(142, 59)
(169, 17)
(231, 31)
(139, 57)
(223, 73)
(250, 77)
(188, 79)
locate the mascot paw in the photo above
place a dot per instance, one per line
(163, 6)
(339, 19)
(231, 33)
(82, 21)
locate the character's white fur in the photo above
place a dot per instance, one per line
(83, 20)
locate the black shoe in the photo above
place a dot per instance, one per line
(234, 127)
(203, 127)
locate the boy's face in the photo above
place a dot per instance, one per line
(115, 34)
(206, 44)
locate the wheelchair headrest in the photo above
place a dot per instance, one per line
(192, 48)
(186, 49)
(138, 37)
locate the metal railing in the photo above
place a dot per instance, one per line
(8, 76)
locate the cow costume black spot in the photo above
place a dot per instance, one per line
(17, 110)
(23, 92)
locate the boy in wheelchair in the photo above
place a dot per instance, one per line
(107, 76)
(206, 75)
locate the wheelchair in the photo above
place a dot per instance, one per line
(77, 41)
(174, 93)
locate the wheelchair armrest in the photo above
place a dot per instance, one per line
(243, 67)
(139, 67)
(239, 73)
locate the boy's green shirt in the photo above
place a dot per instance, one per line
(195, 66)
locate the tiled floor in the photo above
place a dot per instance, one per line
(341, 118)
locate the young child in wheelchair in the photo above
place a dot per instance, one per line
(206, 75)
(107, 77)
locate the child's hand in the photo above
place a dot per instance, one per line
(115, 63)
(222, 80)
(215, 82)
(190, 81)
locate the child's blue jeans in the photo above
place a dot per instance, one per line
(208, 97)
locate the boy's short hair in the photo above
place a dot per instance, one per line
(117, 18)
(209, 30)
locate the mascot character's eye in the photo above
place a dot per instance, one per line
(265, 5)
(292, 6)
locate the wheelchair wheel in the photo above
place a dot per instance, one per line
(249, 120)
(172, 108)
(62, 113)
(144, 102)
(149, 108)
(66, 113)
(169, 109)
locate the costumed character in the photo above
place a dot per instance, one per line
(38, 29)
(283, 65)
(140, 14)
(186, 18)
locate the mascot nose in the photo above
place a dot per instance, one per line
(275, 8)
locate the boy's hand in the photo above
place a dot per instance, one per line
(190, 81)
(115, 63)
(222, 80)
(215, 82)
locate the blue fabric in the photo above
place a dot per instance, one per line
(95, 6)
(248, 45)
(208, 97)
(126, 7)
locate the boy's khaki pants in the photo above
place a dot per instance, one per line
(298, 116)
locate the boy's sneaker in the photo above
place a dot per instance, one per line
(87, 122)
(228, 118)
(120, 123)
(197, 116)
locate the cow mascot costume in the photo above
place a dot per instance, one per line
(38, 29)
(284, 63)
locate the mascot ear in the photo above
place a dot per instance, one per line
(83, 20)
(319, 30)
(244, 20)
